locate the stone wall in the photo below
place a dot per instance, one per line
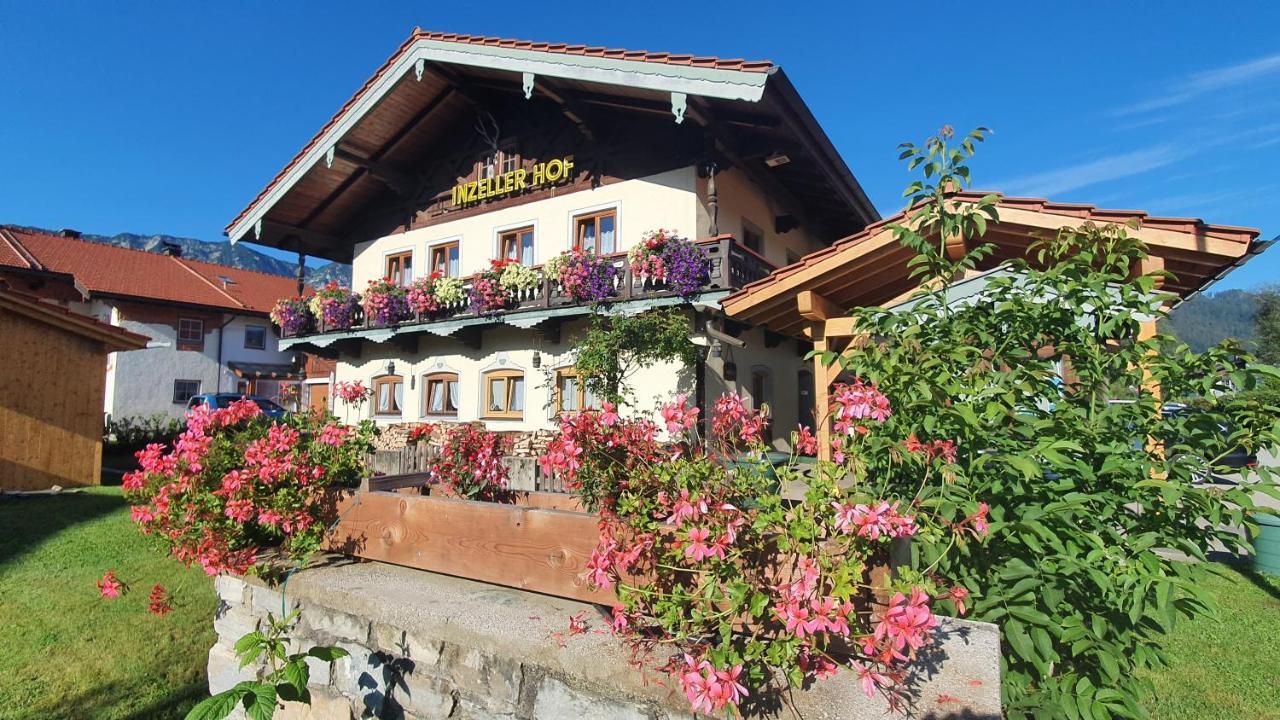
(426, 646)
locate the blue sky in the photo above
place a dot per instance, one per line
(157, 118)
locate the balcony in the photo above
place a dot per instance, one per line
(730, 266)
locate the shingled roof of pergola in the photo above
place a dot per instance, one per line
(870, 267)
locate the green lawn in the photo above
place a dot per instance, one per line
(65, 653)
(1228, 666)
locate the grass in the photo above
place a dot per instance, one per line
(1226, 666)
(66, 653)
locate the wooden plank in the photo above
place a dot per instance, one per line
(528, 548)
(815, 306)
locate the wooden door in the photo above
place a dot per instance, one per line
(319, 398)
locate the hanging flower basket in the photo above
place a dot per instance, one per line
(335, 307)
(663, 258)
(292, 316)
(385, 303)
(583, 276)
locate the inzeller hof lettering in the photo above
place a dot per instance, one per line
(544, 173)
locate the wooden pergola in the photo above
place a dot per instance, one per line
(810, 299)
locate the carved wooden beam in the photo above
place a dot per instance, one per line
(404, 184)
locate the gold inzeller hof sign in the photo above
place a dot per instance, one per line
(543, 174)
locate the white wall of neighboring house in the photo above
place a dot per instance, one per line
(141, 382)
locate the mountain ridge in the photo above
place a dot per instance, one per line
(220, 253)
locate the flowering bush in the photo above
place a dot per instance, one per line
(385, 303)
(739, 592)
(291, 315)
(335, 306)
(516, 277)
(235, 483)
(449, 291)
(470, 464)
(487, 291)
(663, 257)
(421, 295)
(584, 276)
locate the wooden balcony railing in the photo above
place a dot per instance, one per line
(730, 266)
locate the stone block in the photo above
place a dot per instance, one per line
(388, 639)
(233, 622)
(555, 699)
(326, 626)
(223, 669)
(325, 705)
(267, 600)
(427, 696)
(493, 682)
(231, 590)
(424, 653)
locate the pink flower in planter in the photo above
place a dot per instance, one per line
(599, 565)
(698, 549)
(678, 415)
(871, 680)
(728, 691)
(141, 514)
(806, 443)
(333, 434)
(907, 624)
(239, 510)
(609, 414)
(620, 621)
(160, 601)
(860, 401)
(270, 517)
(684, 509)
(109, 586)
(816, 664)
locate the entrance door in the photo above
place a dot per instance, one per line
(318, 401)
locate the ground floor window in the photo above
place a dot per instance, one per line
(388, 395)
(572, 393)
(504, 394)
(184, 390)
(440, 394)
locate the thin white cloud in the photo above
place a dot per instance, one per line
(1114, 167)
(1207, 81)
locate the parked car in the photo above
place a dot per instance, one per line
(222, 400)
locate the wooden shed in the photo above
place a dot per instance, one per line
(52, 381)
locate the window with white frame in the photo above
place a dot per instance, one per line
(184, 390)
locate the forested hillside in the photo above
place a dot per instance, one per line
(1207, 319)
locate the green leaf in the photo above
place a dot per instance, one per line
(259, 701)
(327, 653)
(217, 706)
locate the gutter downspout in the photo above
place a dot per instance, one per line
(222, 330)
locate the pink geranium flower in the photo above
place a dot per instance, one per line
(109, 586)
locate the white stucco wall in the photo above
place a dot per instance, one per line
(140, 382)
(667, 200)
(739, 199)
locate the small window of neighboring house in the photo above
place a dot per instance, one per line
(400, 268)
(504, 394)
(517, 245)
(510, 160)
(596, 232)
(495, 163)
(190, 331)
(572, 394)
(255, 337)
(752, 237)
(440, 394)
(184, 390)
(388, 395)
(444, 259)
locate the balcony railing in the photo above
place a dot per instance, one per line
(730, 265)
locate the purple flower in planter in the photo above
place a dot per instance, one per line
(687, 266)
(291, 315)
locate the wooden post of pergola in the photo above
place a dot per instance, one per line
(831, 330)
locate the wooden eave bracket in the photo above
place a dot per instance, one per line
(526, 84)
(679, 104)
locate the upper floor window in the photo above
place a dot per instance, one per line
(517, 245)
(572, 393)
(504, 394)
(388, 395)
(440, 394)
(255, 337)
(596, 232)
(444, 259)
(752, 237)
(400, 268)
(191, 330)
(500, 161)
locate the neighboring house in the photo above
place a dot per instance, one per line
(52, 365)
(465, 149)
(207, 323)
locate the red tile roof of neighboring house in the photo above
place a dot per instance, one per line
(111, 270)
(707, 61)
(116, 338)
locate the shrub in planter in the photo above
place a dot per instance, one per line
(422, 297)
(470, 463)
(584, 276)
(487, 292)
(739, 593)
(385, 303)
(291, 315)
(663, 257)
(234, 484)
(335, 306)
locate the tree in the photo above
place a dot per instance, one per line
(1267, 325)
(616, 346)
(1087, 481)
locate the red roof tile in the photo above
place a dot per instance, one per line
(107, 269)
(558, 48)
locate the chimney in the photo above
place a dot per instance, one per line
(171, 249)
(69, 233)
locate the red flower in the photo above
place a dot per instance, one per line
(160, 602)
(110, 587)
